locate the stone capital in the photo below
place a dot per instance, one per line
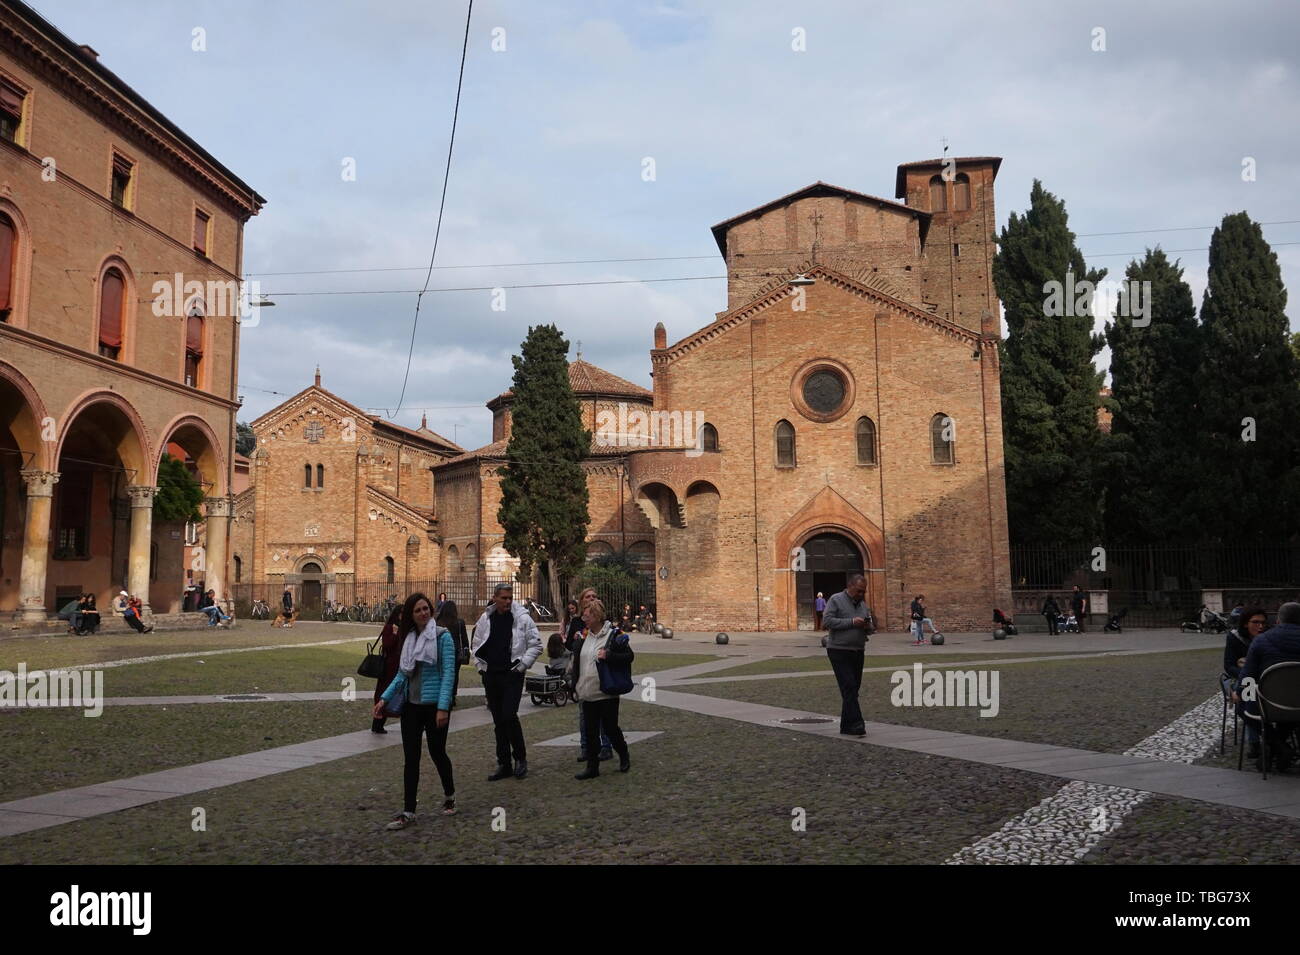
(141, 495)
(218, 506)
(39, 483)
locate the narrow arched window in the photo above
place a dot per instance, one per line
(390, 570)
(866, 434)
(709, 438)
(112, 303)
(320, 475)
(943, 437)
(306, 475)
(938, 194)
(8, 264)
(193, 347)
(961, 192)
(239, 568)
(785, 445)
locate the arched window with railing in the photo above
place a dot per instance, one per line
(866, 438)
(785, 444)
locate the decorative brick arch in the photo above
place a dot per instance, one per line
(141, 455)
(218, 463)
(27, 427)
(828, 512)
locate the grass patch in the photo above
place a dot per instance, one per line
(1103, 703)
(51, 749)
(707, 791)
(1169, 831)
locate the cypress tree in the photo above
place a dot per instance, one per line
(543, 487)
(1251, 398)
(1151, 466)
(1050, 388)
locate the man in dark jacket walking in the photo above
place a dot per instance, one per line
(848, 624)
(1079, 604)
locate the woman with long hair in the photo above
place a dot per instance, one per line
(426, 681)
(390, 645)
(1253, 622)
(573, 628)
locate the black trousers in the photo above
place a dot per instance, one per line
(417, 719)
(847, 665)
(603, 714)
(503, 691)
(1079, 616)
(1051, 624)
(134, 623)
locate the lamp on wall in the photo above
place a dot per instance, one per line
(802, 279)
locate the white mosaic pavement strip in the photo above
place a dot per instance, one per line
(1063, 828)
(109, 664)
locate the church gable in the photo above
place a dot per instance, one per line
(782, 303)
(313, 417)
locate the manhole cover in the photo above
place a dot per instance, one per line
(244, 696)
(809, 719)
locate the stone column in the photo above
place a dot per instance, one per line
(137, 575)
(36, 543)
(218, 510)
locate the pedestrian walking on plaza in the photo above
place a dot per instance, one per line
(505, 644)
(1052, 612)
(573, 630)
(819, 608)
(601, 642)
(390, 645)
(426, 681)
(1077, 605)
(848, 627)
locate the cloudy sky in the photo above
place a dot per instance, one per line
(1149, 134)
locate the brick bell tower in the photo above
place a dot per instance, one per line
(958, 246)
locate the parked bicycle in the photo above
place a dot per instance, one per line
(260, 610)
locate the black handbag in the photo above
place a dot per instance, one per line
(373, 664)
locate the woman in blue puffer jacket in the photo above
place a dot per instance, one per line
(426, 680)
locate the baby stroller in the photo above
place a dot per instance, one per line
(1116, 622)
(1066, 623)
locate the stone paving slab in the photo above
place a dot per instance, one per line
(632, 736)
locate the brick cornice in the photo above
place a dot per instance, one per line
(97, 95)
(97, 361)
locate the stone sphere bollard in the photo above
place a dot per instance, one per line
(936, 639)
(999, 634)
(668, 633)
(722, 639)
(659, 628)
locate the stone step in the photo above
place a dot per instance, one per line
(109, 623)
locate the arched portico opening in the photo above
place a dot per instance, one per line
(101, 527)
(26, 486)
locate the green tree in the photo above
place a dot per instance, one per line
(1250, 401)
(1050, 387)
(1151, 465)
(543, 486)
(179, 495)
(245, 441)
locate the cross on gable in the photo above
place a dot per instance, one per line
(314, 432)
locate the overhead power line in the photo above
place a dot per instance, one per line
(442, 205)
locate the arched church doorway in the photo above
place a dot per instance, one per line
(828, 560)
(311, 592)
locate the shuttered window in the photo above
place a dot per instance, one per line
(112, 294)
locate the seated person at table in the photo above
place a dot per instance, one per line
(1250, 624)
(1278, 645)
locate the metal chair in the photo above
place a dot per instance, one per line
(1279, 701)
(1225, 687)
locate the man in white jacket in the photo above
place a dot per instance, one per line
(505, 644)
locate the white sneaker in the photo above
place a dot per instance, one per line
(402, 820)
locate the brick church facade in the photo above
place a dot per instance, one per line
(845, 416)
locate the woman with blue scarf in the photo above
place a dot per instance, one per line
(424, 690)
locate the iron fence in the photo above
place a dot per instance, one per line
(1154, 567)
(370, 600)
